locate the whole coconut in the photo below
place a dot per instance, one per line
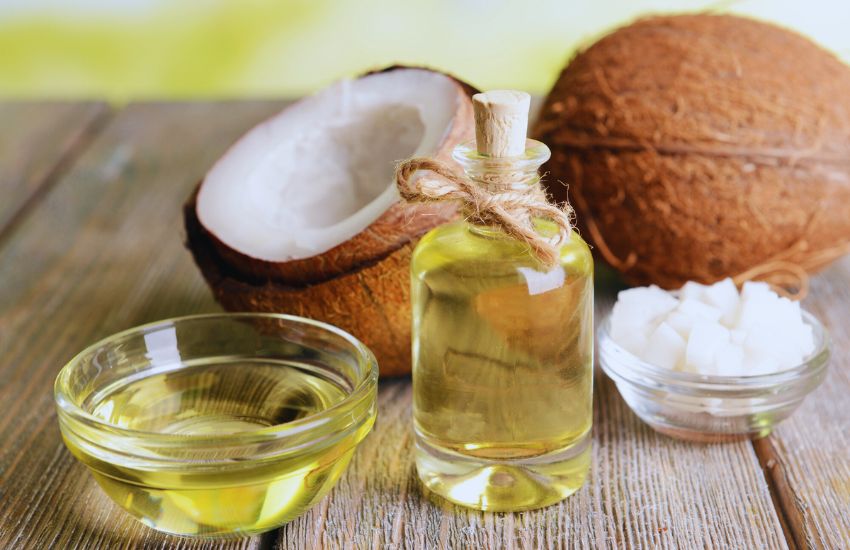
(697, 147)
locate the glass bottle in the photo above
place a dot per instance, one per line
(502, 356)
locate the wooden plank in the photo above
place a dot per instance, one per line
(645, 491)
(35, 138)
(808, 456)
(101, 253)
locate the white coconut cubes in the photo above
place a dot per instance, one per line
(713, 329)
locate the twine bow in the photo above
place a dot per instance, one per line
(510, 209)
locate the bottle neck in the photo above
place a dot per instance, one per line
(502, 182)
(503, 174)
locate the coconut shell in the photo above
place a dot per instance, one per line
(361, 286)
(397, 226)
(698, 147)
(372, 302)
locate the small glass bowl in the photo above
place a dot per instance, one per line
(220, 425)
(710, 408)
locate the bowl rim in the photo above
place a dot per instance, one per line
(266, 434)
(812, 365)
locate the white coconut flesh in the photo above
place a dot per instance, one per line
(321, 171)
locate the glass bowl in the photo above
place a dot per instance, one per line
(710, 408)
(218, 425)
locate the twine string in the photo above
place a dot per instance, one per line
(788, 271)
(510, 209)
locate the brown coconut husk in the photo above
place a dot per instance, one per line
(698, 147)
(361, 285)
(371, 302)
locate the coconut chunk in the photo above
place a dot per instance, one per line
(637, 310)
(681, 323)
(698, 310)
(706, 339)
(729, 360)
(723, 296)
(666, 347)
(692, 290)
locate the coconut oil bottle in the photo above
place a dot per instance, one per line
(502, 343)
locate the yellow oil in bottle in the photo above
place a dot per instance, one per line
(502, 326)
(503, 368)
(234, 497)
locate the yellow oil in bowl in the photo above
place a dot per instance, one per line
(228, 436)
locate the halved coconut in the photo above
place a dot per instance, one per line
(302, 215)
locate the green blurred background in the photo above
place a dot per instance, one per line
(142, 49)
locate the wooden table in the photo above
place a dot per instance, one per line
(91, 243)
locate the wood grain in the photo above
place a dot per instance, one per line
(809, 454)
(35, 139)
(102, 252)
(645, 491)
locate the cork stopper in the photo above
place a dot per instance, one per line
(501, 122)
